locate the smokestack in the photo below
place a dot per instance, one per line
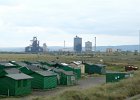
(95, 45)
(64, 43)
(139, 42)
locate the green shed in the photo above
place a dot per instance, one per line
(34, 63)
(78, 64)
(14, 84)
(41, 79)
(67, 67)
(50, 64)
(66, 77)
(87, 65)
(76, 70)
(117, 76)
(45, 67)
(41, 65)
(63, 66)
(48, 78)
(95, 68)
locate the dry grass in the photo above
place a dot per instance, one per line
(111, 91)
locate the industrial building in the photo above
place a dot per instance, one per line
(34, 47)
(44, 47)
(77, 44)
(88, 46)
(109, 50)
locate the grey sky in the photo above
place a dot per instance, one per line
(113, 22)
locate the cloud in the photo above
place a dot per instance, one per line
(53, 21)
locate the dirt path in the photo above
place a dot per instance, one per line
(91, 81)
(136, 97)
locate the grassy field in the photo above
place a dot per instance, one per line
(113, 62)
(111, 59)
(111, 91)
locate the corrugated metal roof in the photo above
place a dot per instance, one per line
(77, 62)
(119, 72)
(58, 70)
(46, 73)
(72, 65)
(89, 63)
(50, 68)
(19, 76)
(12, 70)
(21, 64)
(63, 71)
(7, 64)
(34, 62)
(37, 65)
(34, 68)
(52, 62)
(68, 72)
(44, 66)
(64, 64)
(100, 65)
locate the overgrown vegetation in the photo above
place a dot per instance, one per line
(111, 91)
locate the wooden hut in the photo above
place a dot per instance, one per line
(41, 79)
(14, 83)
(66, 77)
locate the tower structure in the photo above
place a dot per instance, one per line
(34, 47)
(88, 46)
(77, 44)
(44, 47)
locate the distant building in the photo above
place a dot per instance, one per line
(119, 50)
(88, 46)
(44, 47)
(136, 52)
(109, 50)
(34, 47)
(77, 44)
(66, 49)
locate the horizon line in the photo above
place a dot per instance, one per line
(82, 46)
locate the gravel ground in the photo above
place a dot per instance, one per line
(91, 81)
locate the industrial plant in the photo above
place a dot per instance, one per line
(34, 47)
